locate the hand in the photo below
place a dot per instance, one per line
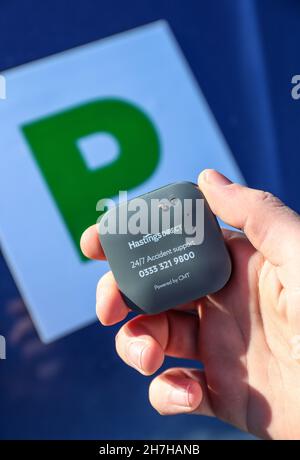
(246, 335)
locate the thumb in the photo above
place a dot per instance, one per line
(271, 227)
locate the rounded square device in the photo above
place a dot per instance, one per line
(165, 248)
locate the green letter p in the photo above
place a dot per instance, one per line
(75, 187)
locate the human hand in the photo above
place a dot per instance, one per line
(246, 335)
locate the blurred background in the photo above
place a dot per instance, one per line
(243, 54)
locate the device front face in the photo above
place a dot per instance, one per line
(165, 248)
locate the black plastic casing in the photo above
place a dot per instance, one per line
(169, 284)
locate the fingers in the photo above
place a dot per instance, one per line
(110, 306)
(139, 350)
(144, 341)
(90, 244)
(179, 391)
(265, 220)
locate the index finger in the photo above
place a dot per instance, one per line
(90, 243)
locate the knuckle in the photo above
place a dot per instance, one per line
(265, 197)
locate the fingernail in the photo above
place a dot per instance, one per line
(179, 397)
(135, 352)
(210, 176)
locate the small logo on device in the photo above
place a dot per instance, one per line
(2, 87)
(154, 237)
(2, 347)
(295, 92)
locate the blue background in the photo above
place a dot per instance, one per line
(243, 54)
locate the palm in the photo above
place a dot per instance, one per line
(244, 345)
